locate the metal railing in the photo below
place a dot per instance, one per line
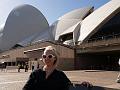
(100, 43)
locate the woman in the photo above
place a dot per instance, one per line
(48, 78)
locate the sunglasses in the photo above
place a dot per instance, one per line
(47, 56)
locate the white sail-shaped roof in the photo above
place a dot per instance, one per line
(70, 19)
(43, 36)
(25, 24)
(37, 37)
(77, 13)
(22, 22)
(63, 25)
(97, 19)
(70, 30)
(74, 29)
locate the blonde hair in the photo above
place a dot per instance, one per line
(56, 53)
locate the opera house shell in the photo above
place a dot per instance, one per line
(22, 22)
(25, 24)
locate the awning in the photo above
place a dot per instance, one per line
(32, 50)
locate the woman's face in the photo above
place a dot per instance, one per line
(48, 57)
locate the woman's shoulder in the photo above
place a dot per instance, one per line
(57, 70)
(63, 76)
(60, 71)
(37, 71)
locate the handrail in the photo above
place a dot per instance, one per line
(113, 41)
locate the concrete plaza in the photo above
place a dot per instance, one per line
(12, 80)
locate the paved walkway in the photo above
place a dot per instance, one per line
(12, 80)
(96, 77)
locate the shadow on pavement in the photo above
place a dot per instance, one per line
(79, 87)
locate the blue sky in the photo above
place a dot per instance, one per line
(51, 9)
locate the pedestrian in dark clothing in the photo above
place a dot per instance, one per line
(26, 67)
(19, 66)
(37, 66)
(32, 67)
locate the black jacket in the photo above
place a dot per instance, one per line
(56, 81)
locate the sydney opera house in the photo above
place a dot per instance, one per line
(86, 38)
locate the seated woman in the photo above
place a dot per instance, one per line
(48, 77)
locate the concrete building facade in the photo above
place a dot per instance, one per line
(32, 54)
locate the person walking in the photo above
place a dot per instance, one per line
(19, 66)
(33, 66)
(38, 66)
(26, 67)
